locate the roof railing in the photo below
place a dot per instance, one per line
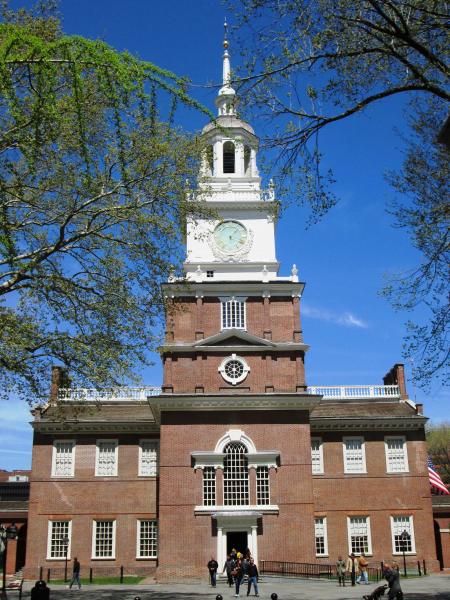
(140, 394)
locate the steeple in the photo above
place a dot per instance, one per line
(226, 99)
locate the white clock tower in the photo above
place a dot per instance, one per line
(238, 243)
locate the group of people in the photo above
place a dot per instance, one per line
(356, 569)
(237, 567)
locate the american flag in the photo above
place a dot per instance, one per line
(436, 483)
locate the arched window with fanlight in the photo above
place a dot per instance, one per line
(235, 475)
(228, 157)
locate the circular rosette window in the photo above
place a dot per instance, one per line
(234, 369)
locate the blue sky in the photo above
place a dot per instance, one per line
(354, 334)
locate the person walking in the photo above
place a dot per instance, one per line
(363, 574)
(252, 577)
(75, 574)
(212, 568)
(228, 567)
(238, 577)
(340, 570)
(352, 567)
(392, 576)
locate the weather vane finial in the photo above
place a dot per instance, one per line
(225, 36)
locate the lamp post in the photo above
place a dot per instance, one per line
(404, 537)
(65, 541)
(6, 533)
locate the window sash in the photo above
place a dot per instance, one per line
(147, 539)
(320, 534)
(209, 486)
(359, 535)
(233, 314)
(63, 461)
(56, 548)
(104, 539)
(106, 458)
(354, 455)
(148, 458)
(235, 475)
(399, 524)
(262, 486)
(396, 454)
(317, 456)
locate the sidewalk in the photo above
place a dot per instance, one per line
(433, 587)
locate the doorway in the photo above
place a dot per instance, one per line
(237, 540)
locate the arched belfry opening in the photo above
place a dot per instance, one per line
(247, 159)
(228, 157)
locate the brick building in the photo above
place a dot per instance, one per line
(234, 450)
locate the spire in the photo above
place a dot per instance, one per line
(227, 96)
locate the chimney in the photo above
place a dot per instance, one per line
(59, 380)
(396, 376)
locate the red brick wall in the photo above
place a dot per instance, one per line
(283, 372)
(181, 488)
(442, 530)
(376, 494)
(124, 498)
(191, 315)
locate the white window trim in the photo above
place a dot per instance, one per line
(321, 465)
(325, 536)
(413, 539)
(55, 442)
(153, 441)
(138, 540)
(94, 530)
(49, 540)
(369, 534)
(405, 453)
(363, 449)
(224, 299)
(245, 369)
(268, 487)
(116, 454)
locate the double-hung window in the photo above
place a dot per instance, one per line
(148, 457)
(320, 533)
(354, 455)
(147, 539)
(403, 535)
(59, 537)
(359, 535)
(233, 313)
(396, 454)
(262, 486)
(317, 456)
(104, 539)
(106, 458)
(63, 460)
(209, 486)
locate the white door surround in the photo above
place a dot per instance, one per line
(245, 521)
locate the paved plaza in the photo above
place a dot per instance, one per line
(433, 587)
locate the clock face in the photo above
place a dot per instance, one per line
(230, 236)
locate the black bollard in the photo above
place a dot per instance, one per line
(274, 596)
(137, 598)
(219, 597)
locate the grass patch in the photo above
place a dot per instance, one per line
(127, 579)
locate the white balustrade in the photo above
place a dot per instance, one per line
(116, 394)
(348, 392)
(130, 394)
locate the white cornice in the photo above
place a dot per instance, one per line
(232, 514)
(231, 401)
(245, 288)
(277, 347)
(366, 423)
(67, 427)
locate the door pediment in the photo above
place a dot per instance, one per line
(234, 337)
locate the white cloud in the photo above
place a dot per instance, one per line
(347, 318)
